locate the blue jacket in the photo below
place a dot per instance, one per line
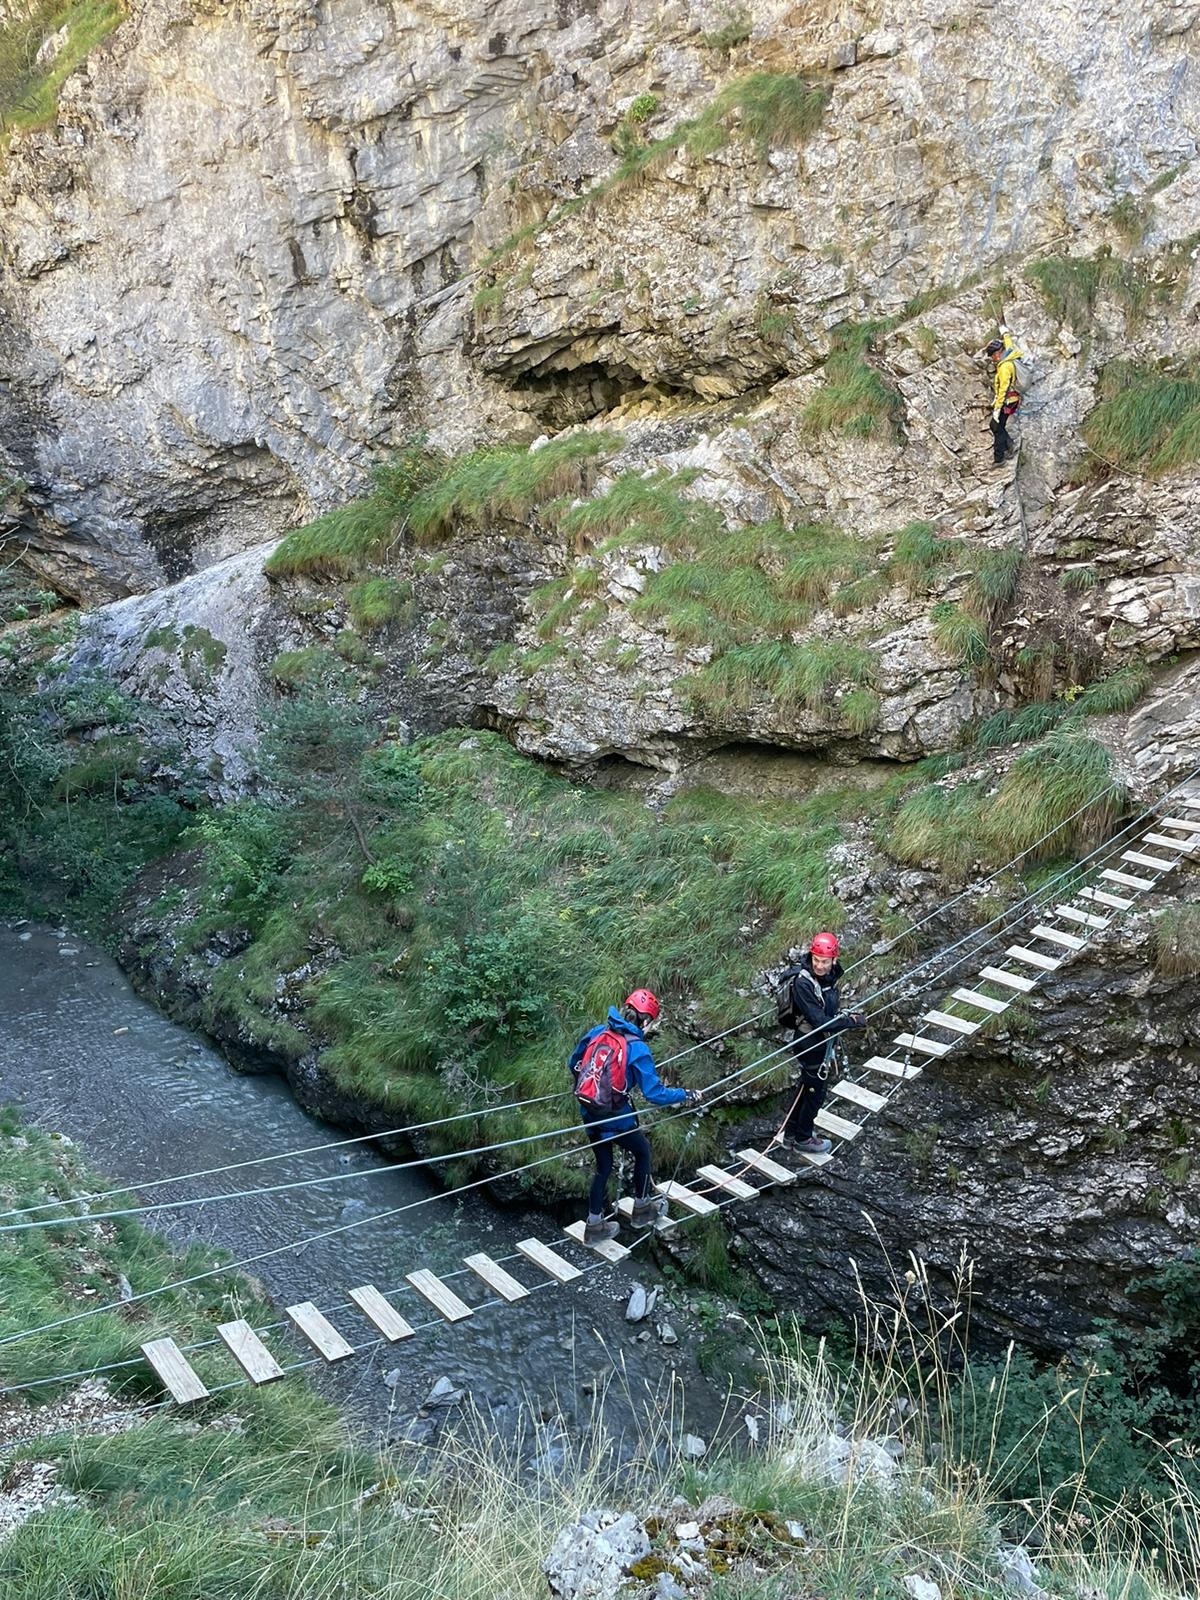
(641, 1072)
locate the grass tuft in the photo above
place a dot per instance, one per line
(1176, 941)
(855, 399)
(1146, 421)
(29, 89)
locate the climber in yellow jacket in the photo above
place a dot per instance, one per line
(1006, 396)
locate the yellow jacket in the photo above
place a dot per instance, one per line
(1006, 371)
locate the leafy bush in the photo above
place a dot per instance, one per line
(82, 801)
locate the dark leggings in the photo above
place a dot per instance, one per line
(1001, 443)
(602, 1142)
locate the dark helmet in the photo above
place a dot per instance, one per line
(993, 347)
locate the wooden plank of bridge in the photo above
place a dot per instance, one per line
(943, 1019)
(858, 1096)
(176, 1373)
(381, 1313)
(892, 1069)
(440, 1295)
(551, 1263)
(726, 1180)
(1186, 845)
(983, 1001)
(1155, 863)
(496, 1278)
(1101, 898)
(608, 1249)
(250, 1353)
(1069, 941)
(320, 1332)
(1011, 980)
(769, 1169)
(927, 1047)
(683, 1196)
(838, 1126)
(1181, 823)
(1072, 914)
(1033, 958)
(1110, 875)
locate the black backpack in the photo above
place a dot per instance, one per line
(785, 997)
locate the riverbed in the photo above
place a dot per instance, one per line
(82, 1054)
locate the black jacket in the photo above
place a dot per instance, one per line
(816, 1005)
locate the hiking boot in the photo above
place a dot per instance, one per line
(598, 1232)
(647, 1212)
(812, 1146)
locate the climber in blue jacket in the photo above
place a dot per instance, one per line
(611, 1059)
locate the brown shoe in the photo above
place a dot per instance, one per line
(597, 1232)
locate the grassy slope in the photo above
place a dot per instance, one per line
(263, 1491)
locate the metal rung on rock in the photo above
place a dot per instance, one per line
(983, 1001)
(838, 1126)
(726, 1180)
(943, 1019)
(1155, 863)
(1101, 898)
(769, 1169)
(1069, 941)
(928, 1047)
(1127, 878)
(1088, 921)
(1186, 845)
(858, 1096)
(892, 1069)
(1011, 980)
(1032, 958)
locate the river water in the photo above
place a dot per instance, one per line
(82, 1054)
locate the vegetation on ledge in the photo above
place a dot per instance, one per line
(29, 86)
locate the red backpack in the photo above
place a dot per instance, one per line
(600, 1078)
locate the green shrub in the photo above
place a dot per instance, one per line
(338, 544)
(1066, 772)
(795, 676)
(377, 601)
(774, 108)
(960, 634)
(29, 90)
(1176, 941)
(642, 108)
(855, 398)
(502, 482)
(1146, 421)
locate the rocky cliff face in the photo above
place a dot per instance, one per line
(249, 250)
(752, 255)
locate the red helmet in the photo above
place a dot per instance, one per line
(825, 944)
(644, 1003)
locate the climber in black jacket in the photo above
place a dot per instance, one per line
(812, 1011)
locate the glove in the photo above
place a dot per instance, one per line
(695, 1097)
(858, 1019)
(996, 414)
(1003, 326)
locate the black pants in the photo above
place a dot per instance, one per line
(1001, 443)
(813, 1089)
(602, 1142)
